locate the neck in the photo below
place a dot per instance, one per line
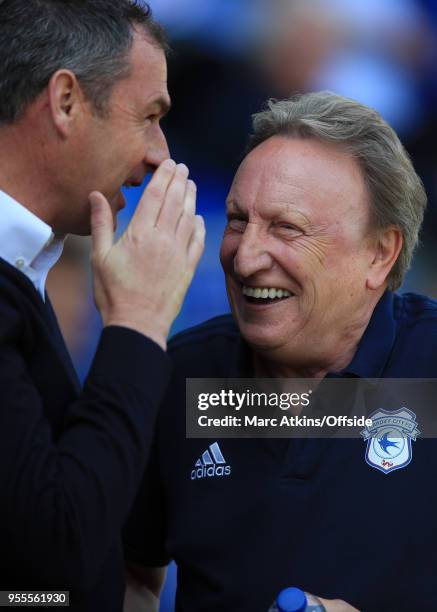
(267, 368)
(24, 169)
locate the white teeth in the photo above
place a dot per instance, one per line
(264, 292)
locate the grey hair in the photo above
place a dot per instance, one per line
(397, 196)
(92, 38)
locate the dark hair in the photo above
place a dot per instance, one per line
(92, 38)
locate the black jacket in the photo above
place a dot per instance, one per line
(70, 460)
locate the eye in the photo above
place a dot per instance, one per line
(289, 230)
(237, 223)
(150, 119)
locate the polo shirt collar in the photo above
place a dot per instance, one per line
(376, 343)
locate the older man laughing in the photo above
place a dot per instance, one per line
(323, 217)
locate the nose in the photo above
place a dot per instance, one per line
(156, 148)
(252, 255)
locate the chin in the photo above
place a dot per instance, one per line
(82, 230)
(258, 337)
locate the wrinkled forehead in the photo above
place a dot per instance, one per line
(302, 173)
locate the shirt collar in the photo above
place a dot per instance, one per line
(26, 242)
(376, 343)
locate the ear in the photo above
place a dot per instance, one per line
(389, 242)
(66, 100)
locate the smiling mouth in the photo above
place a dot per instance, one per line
(265, 295)
(128, 184)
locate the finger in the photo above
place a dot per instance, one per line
(102, 225)
(197, 243)
(185, 225)
(173, 206)
(337, 605)
(190, 198)
(149, 206)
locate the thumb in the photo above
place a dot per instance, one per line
(102, 225)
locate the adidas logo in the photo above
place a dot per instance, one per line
(211, 463)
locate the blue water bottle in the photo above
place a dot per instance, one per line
(295, 600)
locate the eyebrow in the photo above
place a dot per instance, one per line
(164, 105)
(233, 204)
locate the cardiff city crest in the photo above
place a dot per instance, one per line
(389, 439)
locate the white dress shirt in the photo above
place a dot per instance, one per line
(26, 242)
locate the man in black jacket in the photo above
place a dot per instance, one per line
(82, 91)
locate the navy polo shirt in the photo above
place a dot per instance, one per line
(301, 512)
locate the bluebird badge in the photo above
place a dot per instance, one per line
(389, 439)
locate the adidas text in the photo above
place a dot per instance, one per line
(212, 470)
(210, 464)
